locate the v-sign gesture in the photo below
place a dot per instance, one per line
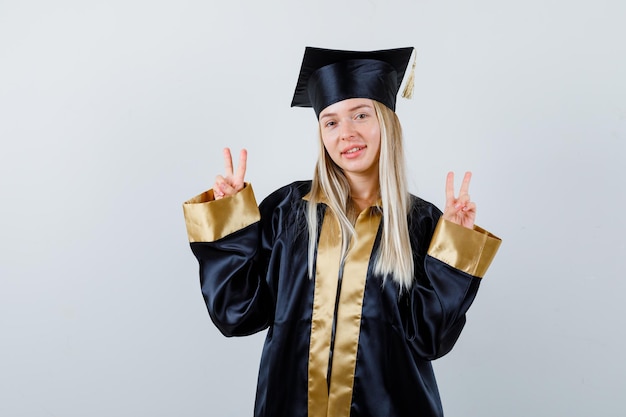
(231, 182)
(459, 210)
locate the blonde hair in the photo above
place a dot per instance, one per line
(394, 256)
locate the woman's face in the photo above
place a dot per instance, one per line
(351, 136)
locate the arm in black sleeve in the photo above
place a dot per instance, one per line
(448, 275)
(226, 238)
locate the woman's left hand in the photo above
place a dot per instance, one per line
(459, 210)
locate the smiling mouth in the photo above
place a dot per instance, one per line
(353, 150)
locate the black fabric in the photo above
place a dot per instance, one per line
(256, 278)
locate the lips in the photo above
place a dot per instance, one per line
(352, 150)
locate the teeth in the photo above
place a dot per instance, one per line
(353, 150)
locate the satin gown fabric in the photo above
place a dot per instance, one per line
(255, 278)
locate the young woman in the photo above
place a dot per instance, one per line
(359, 283)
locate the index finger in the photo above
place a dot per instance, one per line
(241, 168)
(450, 186)
(465, 184)
(228, 162)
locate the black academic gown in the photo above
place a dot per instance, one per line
(346, 342)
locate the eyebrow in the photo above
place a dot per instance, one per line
(355, 108)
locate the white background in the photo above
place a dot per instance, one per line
(113, 113)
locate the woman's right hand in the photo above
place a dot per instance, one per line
(231, 182)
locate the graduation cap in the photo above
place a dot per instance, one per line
(328, 76)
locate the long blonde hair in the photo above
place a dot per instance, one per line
(394, 256)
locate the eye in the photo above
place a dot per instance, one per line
(361, 116)
(330, 123)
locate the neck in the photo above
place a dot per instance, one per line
(364, 190)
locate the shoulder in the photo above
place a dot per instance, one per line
(423, 216)
(421, 208)
(286, 197)
(291, 192)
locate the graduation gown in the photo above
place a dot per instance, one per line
(346, 342)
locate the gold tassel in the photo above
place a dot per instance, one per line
(410, 82)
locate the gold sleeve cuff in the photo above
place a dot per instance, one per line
(208, 219)
(465, 249)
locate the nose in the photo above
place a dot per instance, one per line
(346, 130)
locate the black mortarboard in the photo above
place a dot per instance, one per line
(328, 76)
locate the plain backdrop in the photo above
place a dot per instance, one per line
(112, 113)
